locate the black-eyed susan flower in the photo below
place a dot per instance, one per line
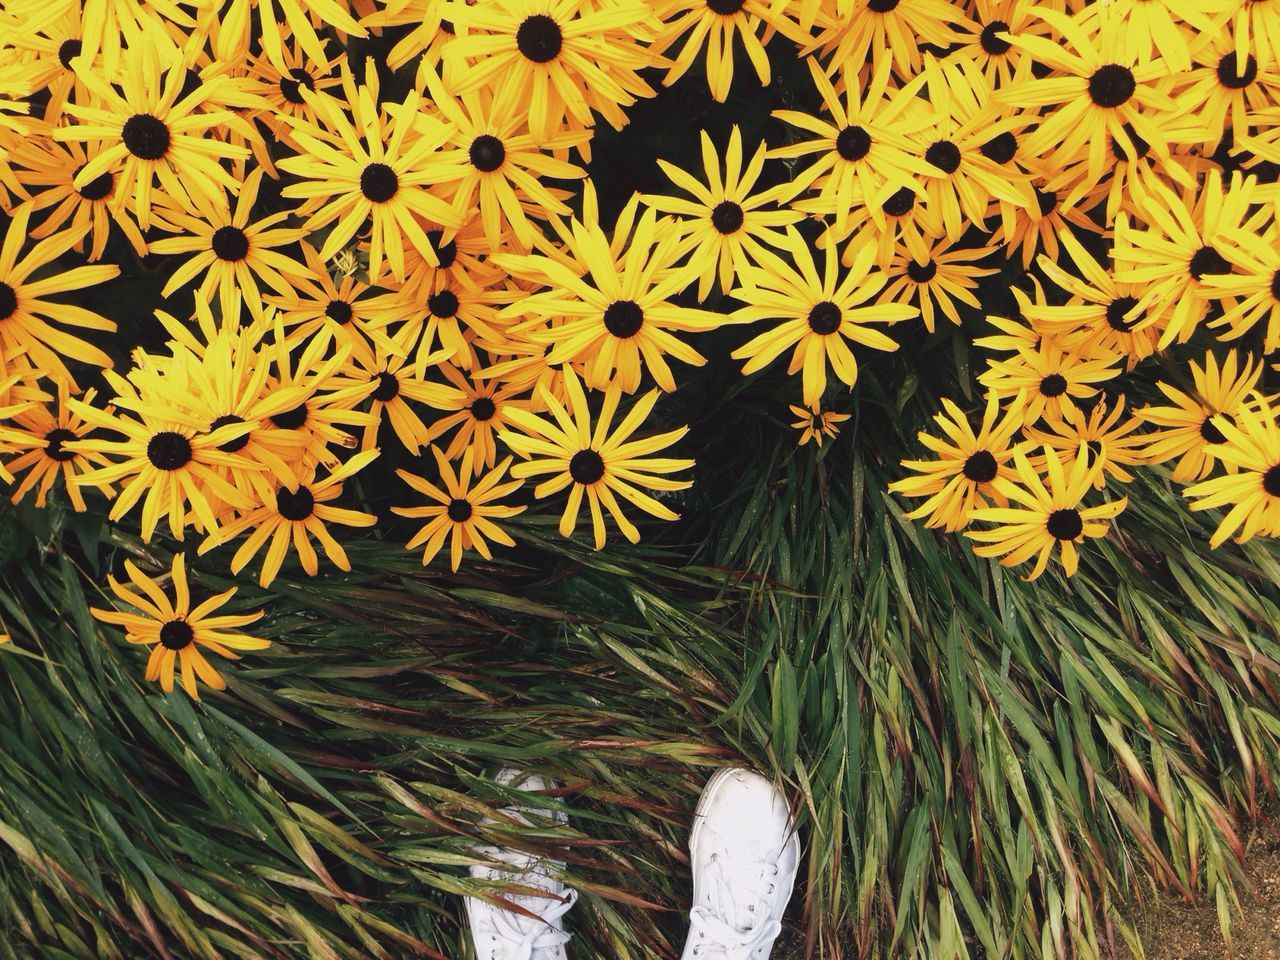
(1052, 377)
(39, 435)
(1046, 512)
(1182, 244)
(1225, 89)
(934, 275)
(290, 515)
(232, 250)
(865, 155)
(564, 58)
(451, 315)
(1251, 292)
(1108, 438)
(1100, 89)
(388, 381)
(715, 26)
(504, 164)
(889, 31)
(1190, 428)
(28, 318)
(815, 424)
(617, 299)
(178, 634)
(282, 86)
(599, 462)
(155, 135)
(464, 511)
(381, 162)
(166, 460)
(967, 464)
(1029, 230)
(480, 413)
(1251, 490)
(1102, 318)
(819, 314)
(52, 168)
(726, 225)
(348, 306)
(986, 39)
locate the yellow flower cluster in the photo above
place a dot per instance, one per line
(407, 246)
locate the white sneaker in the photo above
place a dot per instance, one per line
(502, 934)
(745, 856)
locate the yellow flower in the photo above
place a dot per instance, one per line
(1192, 428)
(383, 162)
(158, 134)
(935, 276)
(725, 224)
(293, 514)
(40, 436)
(818, 314)
(1251, 445)
(1047, 515)
(616, 298)
(969, 467)
(1110, 444)
(231, 252)
(27, 318)
(816, 423)
(597, 463)
(463, 513)
(178, 634)
(1052, 376)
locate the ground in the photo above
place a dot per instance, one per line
(1177, 931)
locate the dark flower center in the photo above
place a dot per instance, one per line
(459, 510)
(980, 467)
(1065, 524)
(443, 304)
(296, 505)
(853, 143)
(900, 204)
(53, 444)
(487, 153)
(881, 6)
(339, 310)
(824, 318)
(1112, 85)
(1271, 481)
(725, 7)
(1116, 311)
(445, 253)
(8, 301)
(291, 419)
(922, 272)
(1047, 200)
(944, 155)
(990, 42)
(1275, 286)
(230, 244)
(727, 217)
(231, 446)
(539, 38)
(1000, 148)
(623, 318)
(379, 183)
(98, 188)
(1207, 260)
(1054, 385)
(586, 467)
(1209, 430)
(145, 136)
(291, 85)
(388, 387)
(168, 450)
(482, 408)
(1229, 74)
(1140, 147)
(176, 635)
(68, 51)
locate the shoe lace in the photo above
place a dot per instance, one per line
(738, 916)
(527, 935)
